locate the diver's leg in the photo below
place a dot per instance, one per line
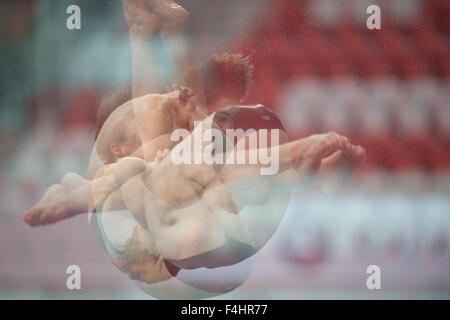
(61, 201)
(142, 28)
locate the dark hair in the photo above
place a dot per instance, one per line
(229, 75)
(222, 75)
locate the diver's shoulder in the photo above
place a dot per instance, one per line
(149, 103)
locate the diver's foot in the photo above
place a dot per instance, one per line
(346, 160)
(337, 169)
(173, 17)
(307, 153)
(53, 207)
(139, 19)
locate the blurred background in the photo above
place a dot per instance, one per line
(318, 67)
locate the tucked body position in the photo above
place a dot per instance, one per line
(159, 218)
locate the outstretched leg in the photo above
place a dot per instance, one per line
(61, 201)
